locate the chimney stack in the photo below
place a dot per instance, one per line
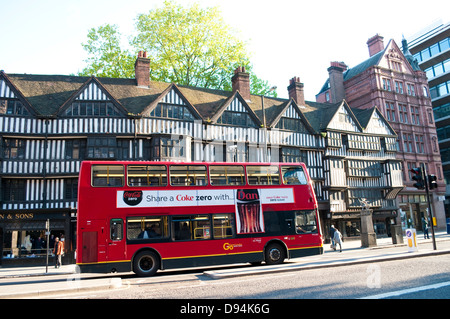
(336, 78)
(375, 44)
(241, 82)
(295, 90)
(142, 69)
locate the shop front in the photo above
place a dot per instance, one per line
(23, 237)
(349, 223)
(412, 208)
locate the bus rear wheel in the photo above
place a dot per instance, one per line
(274, 254)
(146, 263)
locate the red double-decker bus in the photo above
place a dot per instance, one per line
(146, 216)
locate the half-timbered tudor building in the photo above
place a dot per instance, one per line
(49, 124)
(359, 164)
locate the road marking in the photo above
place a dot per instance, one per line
(407, 291)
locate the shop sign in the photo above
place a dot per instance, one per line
(17, 216)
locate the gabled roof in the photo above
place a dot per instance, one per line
(367, 115)
(132, 97)
(375, 60)
(236, 97)
(48, 95)
(85, 91)
(172, 87)
(354, 71)
(319, 115)
(45, 94)
(297, 110)
(272, 108)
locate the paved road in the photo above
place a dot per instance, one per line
(26, 282)
(427, 277)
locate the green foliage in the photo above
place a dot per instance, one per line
(186, 45)
(106, 57)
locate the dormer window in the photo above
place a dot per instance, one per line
(92, 108)
(12, 107)
(291, 124)
(172, 111)
(236, 118)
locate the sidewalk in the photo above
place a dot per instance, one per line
(352, 253)
(71, 280)
(39, 282)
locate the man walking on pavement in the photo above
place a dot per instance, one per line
(332, 230)
(58, 250)
(338, 239)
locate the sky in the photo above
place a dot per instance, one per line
(285, 38)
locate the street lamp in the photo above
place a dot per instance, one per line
(273, 88)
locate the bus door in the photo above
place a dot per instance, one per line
(116, 242)
(93, 241)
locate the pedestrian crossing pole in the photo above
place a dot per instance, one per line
(47, 232)
(430, 211)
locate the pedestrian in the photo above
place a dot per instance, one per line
(425, 228)
(58, 250)
(332, 230)
(338, 239)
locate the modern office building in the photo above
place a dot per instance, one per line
(431, 49)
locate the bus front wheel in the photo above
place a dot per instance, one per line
(146, 263)
(274, 254)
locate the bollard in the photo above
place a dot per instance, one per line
(411, 240)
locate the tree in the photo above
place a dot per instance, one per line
(188, 46)
(106, 57)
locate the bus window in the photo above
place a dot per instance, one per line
(201, 227)
(305, 222)
(263, 175)
(181, 228)
(293, 175)
(223, 225)
(147, 175)
(226, 175)
(191, 227)
(188, 175)
(150, 227)
(116, 228)
(107, 175)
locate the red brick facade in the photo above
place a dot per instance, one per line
(388, 81)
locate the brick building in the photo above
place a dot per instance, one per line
(390, 80)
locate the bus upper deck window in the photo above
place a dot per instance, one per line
(226, 175)
(293, 175)
(107, 175)
(263, 175)
(188, 175)
(147, 175)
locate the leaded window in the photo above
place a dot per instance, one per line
(172, 111)
(236, 118)
(92, 108)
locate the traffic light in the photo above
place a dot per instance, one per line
(432, 184)
(417, 176)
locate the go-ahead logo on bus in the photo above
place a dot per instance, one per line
(132, 198)
(228, 246)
